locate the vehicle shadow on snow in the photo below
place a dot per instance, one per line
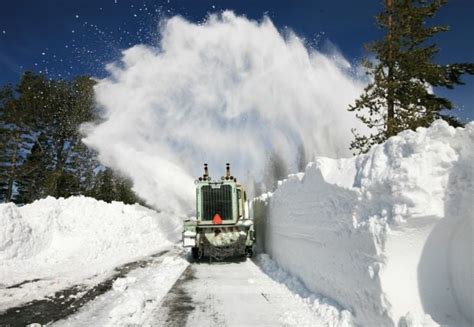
(66, 302)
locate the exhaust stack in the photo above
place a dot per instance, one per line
(206, 172)
(228, 176)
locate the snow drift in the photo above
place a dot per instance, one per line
(62, 242)
(229, 89)
(389, 234)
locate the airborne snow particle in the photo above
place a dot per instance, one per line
(77, 16)
(4, 32)
(43, 53)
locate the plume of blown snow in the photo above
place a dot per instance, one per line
(226, 90)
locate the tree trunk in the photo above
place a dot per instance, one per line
(390, 108)
(390, 100)
(12, 174)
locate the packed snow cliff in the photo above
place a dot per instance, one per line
(389, 234)
(56, 243)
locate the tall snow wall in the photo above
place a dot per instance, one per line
(388, 235)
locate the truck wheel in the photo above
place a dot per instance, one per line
(195, 253)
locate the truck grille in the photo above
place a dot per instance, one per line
(216, 201)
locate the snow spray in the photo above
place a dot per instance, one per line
(226, 90)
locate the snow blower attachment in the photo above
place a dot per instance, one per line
(221, 227)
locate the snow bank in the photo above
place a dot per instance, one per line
(389, 234)
(70, 240)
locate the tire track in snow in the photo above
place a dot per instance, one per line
(68, 301)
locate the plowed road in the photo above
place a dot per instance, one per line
(167, 289)
(232, 294)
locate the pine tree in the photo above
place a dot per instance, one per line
(109, 186)
(66, 105)
(81, 161)
(15, 141)
(32, 176)
(275, 170)
(41, 152)
(85, 165)
(400, 96)
(105, 188)
(301, 158)
(124, 191)
(40, 141)
(6, 95)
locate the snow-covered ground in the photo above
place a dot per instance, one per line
(384, 239)
(53, 244)
(387, 235)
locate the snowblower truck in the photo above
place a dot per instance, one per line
(222, 227)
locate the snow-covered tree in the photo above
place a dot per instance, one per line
(404, 74)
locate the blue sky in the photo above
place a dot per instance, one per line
(65, 38)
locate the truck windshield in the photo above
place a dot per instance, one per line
(216, 201)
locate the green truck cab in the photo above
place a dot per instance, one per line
(222, 227)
